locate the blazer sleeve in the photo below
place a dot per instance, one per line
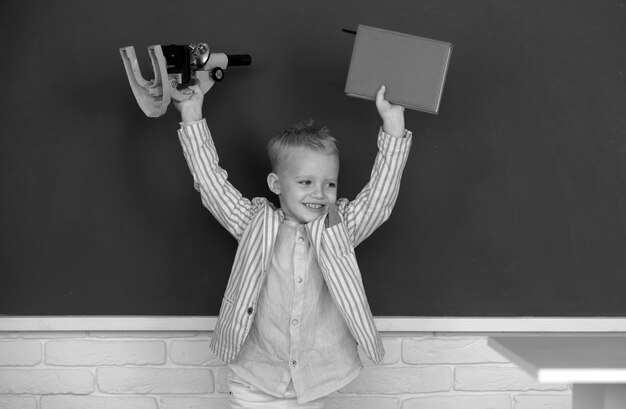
(222, 199)
(373, 205)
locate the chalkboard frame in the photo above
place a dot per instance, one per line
(384, 324)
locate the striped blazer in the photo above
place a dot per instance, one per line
(254, 223)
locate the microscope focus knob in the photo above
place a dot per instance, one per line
(217, 74)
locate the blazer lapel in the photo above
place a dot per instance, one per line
(271, 223)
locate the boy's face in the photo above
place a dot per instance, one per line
(306, 183)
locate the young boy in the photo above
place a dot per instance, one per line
(294, 308)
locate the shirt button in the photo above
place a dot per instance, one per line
(294, 322)
(294, 363)
(299, 279)
(250, 311)
(300, 239)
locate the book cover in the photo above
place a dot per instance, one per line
(412, 68)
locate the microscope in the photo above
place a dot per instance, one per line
(176, 67)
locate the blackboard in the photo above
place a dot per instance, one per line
(513, 202)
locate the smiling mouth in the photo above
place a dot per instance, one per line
(314, 206)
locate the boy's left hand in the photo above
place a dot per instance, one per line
(392, 115)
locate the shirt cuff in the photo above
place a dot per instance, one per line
(184, 125)
(406, 134)
(387, 142)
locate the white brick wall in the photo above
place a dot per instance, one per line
(176, 370)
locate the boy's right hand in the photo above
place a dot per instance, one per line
(191, 108)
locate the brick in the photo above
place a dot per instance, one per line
(362, 403)
(46, 381)
(154, 380)
(96, 402)
(142, 334)
(20, 353)
(392, 352)
(193, 353)
(449, 351)
(193, 403)
(18, 402)
(53, 334)
(494, 378)
(542, 401)
(98, 353)
(459, 402)
(386, 380)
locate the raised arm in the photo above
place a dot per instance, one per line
(373, 205)
(221, 198)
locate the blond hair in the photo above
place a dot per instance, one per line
(303, 134)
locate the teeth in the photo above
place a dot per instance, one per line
(313, 205)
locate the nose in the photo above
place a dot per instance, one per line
(318, 192)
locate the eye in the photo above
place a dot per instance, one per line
(304, 182)
(332, 185)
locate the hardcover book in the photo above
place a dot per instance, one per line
(412, 68)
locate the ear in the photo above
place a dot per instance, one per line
(273, 183)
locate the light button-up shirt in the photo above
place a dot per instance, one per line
(298, 334)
